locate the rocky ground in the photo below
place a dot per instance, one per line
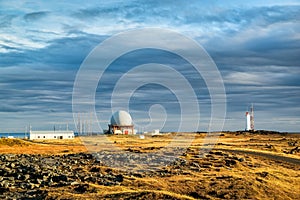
(37, 176)
(28, 176)
(142, 172)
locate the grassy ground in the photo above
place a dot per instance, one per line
(19, 146)
(219, 175)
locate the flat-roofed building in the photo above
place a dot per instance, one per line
(46, 135)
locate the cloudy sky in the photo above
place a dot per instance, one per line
(256, 47)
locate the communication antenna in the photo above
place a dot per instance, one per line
(78, 124)
(91, 132)
(252, 117)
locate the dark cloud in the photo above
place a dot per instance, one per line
(29, 17)
(8, 108)
(256, 49)
(42, 80)
(232, 20)
(6, 20)
(89, 13)
(262, 51)
(67, 51)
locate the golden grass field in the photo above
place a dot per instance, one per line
(269, 167)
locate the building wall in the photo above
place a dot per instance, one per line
(126, 130)
(46, 135)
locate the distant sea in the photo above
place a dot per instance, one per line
(15, 135)
(18, 135)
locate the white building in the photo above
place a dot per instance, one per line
(46, 135)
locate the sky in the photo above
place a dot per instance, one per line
(255, 46)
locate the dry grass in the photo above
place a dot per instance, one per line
(19, 146)
(255, 178)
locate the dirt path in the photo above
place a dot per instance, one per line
(295, 161)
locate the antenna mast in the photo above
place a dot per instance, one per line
(252, 117)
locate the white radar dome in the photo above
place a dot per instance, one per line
(121, 118)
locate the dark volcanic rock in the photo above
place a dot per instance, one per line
(119, 178)
(230, 162)
(82, 188)
(59, 178)
(30, 176)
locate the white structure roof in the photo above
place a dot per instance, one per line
(51, 135)
(121, 118)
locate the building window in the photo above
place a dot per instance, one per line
(54, 136)
(69, 136)
(44, 137)
(38, 136)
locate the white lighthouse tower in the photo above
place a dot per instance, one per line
(250, 119)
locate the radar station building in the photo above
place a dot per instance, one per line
(121, 123)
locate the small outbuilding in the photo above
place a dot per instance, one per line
(121, 123)
(46, 135)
